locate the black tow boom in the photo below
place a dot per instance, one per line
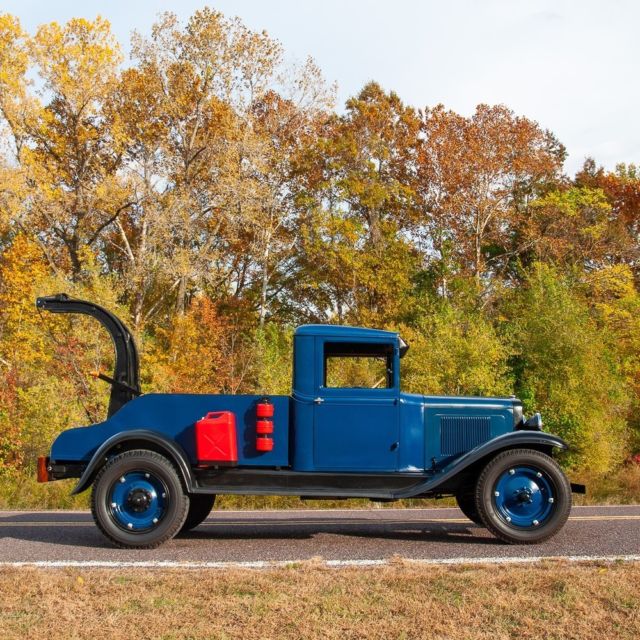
(125, 383)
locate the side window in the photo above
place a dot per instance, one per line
(358, 365)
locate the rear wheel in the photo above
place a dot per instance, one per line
(138, 501)
(200, 505)
(467, 504)
(523, 497)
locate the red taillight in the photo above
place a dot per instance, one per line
(264, 425)
(44, 474)
(264, 408)
(264, 443)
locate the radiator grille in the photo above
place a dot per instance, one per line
(461, 433)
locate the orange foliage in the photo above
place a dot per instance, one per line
(208, 351)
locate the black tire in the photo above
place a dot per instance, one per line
(200, 505)
(467, 504)
(143, 487)
(546, 492)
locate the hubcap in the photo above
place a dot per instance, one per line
(137, 501)
(523, 497)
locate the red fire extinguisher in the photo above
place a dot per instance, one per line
(264, 425)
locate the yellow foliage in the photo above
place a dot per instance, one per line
(78, 61)
(22, 274)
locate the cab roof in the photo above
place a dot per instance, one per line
(340, 331)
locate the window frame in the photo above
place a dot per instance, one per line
(386, 348)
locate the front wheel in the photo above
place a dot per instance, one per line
(523, 497)
(138, 501)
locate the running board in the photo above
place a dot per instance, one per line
(305, 484)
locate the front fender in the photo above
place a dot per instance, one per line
(141, 436)
(512, 440)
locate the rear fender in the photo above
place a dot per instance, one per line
(514, 440)
(137, 439)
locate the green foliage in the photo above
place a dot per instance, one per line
(565, 368)
(454, 352)
(274, 362)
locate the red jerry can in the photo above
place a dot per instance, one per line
(216, 439)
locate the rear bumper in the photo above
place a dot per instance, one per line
(48, 471)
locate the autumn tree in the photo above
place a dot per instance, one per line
(14, 106)
(70, 154)
(207, 351)
(208, 192)
(358, 185)
(14, 65)
(622, 191)
(476, 178)
(572, 227)
(455, 351)
(210, 165)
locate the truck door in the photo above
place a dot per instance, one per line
(356, 416)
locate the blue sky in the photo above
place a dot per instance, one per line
(572, 65)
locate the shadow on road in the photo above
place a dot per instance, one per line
(78, 530)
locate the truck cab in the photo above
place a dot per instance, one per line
(351, 415)
(346, 399)
(347, 430)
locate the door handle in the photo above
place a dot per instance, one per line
(318, 400)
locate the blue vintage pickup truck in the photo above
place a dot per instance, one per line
(157, 462)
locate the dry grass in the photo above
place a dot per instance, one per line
(552, 600)
(621, 487)
(22, 491)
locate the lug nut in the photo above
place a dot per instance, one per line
(511, 471)
(496, 493)
(538, 475)
(146, 475)
(508, 518)
(535, 523)
(164, 495)
(155, 521)
(129, 526)
(551, 501)
(114, 505)
(122, 479)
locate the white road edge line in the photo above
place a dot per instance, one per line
(269, 564)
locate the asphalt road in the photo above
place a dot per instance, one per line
(334, 535)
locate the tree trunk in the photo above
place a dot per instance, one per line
(265, 284)
(181, 300)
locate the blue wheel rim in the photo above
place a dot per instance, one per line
(137, 501)
(524, 497)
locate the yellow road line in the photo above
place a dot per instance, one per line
(290, 523)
